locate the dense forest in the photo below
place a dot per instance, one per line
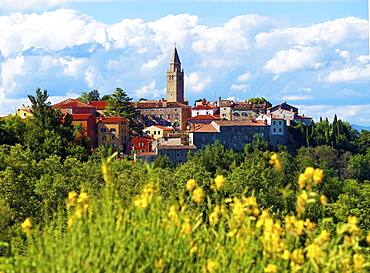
(64, 208)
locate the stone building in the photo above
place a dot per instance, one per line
(113, 132)
(172, 111)
(175, 79)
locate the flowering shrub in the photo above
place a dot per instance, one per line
(203, 231)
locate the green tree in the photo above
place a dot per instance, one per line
(93, 95)
(119, 105)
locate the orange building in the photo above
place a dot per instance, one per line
(88, 123)
(114, 132)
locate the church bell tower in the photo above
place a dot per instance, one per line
(175, 79)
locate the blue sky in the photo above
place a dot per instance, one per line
(313, 54)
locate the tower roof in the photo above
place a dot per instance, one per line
(175, 57)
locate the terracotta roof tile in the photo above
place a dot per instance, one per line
(99, 105)
(204, 117)
(204, 128)
(68, 103)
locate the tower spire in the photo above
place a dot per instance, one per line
(175, 79)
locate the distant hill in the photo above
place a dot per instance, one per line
(359, 127)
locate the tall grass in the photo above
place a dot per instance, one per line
(201, 232)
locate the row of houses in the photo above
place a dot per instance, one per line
(174, 129)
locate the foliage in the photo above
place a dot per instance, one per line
(93, 95)
(204, 231)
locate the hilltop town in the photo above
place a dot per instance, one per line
(172, 128)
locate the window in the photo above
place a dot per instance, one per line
(161, 116)
(244, 114)
(155, 132)
(279, 129)
(274, 130)
(24, 114)
(103, 130)
(280, 122)
(274, 123)
(69, 111)
(112, 137)
(236, 114)
(168, 116)
(113, 131)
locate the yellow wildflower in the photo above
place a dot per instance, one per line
(309, 171)
(302, 178)
(323, 200)
(159, 265)
(193, 250)
(358, 261)
(186, 226)
(70, 223)
(274, 161)
(299, 227)
(198, 195)
(172, 214)
(297, 256)
(270, 268)
(368, 238)
(285, 255)
(317, 176)
(313, 251)
(213, 217)
(83, 198)
(309, 225)
(352, 222)
(191, 184)
(72, 195)
(219, 181)
(212, 266)
(223, 210)
(324, 236)
(27, 225)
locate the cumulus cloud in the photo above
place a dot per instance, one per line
(349, 74)
(244, 77)
(19, 5)
(356, 114)
(330, 33)
(149, 90)
(239, 87)
(67, 51)
(196, 81)
(296, 97)
(295, 59)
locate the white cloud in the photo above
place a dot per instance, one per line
(329, 33)
(196, 81)
(244, 77)
(67, 51)
(149, 90)
(355, 114)
(297, 97)
(240, 87)
(296, 58)
(18, 5)
(349, 74)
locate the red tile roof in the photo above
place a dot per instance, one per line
(240, 123)
(99, 105)
(71, 103)
(111, 119)
(164, 128)
(204, 117)
(158, 104)
(204, 107)
(81, 116)
(204, 128)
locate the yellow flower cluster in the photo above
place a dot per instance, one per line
(275, 162)
(217, 212)
(270, 268)
(219, 182)
(80, 204)
(27, 225)
(198, 195)
(212, 266)
(143, 200)
(245, 206)
(310, 177)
